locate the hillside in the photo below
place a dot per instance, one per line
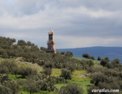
(32, 70)
(26, 68)
(111, 52)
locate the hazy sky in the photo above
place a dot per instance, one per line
(76, 23)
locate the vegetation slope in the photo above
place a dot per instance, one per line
(27, 69)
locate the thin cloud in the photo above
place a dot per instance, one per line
(74, 21)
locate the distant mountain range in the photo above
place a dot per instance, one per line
(111, 52)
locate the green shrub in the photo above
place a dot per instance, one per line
(8, 66)
(104, 62)
(60, 80)
(32, 86)
(47, 71)
(98, 77)
(71, 89)
(13, 86)
(5, 90)
(46, 85)
(66, 74)
(26, 71)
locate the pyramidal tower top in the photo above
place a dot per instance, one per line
(51, 43)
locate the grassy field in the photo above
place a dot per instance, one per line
(78, 76)
(56, 72)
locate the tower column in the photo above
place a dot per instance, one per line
(51, 43)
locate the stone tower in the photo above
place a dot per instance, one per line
(51, 43)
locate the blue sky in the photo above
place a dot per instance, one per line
(76, 23)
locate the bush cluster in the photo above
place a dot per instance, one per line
(71, 89)
(10, 66)
(106, 77)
